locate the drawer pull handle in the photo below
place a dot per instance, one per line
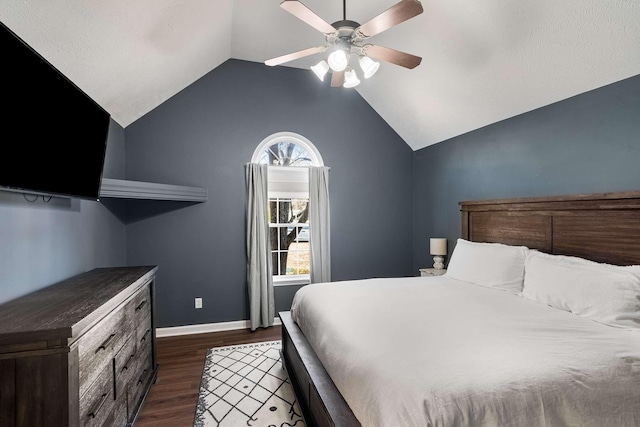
(93, 413)
(140, 380)
(144, 337)
(126, 365)
(106, 342)
(142, 304)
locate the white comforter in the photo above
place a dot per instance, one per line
(434, 351)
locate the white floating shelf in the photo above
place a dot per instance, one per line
(126, 189)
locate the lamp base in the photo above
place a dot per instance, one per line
(438, 262)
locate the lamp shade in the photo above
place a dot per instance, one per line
(438, 246)
(338, 60)
(351, 79)
(320, 69)
(369, 66)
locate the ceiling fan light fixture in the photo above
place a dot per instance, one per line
(338, 60)
(320, 69)
(351, 79)
(369, 66)
(345, 38)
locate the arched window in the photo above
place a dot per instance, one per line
(287, 149)
(288, 155)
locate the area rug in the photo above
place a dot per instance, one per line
(246, 385)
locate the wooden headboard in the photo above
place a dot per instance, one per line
(601, 227)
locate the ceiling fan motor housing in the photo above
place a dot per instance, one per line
(345, 23)
(345, 35)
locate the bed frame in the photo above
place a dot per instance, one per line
(601, 227)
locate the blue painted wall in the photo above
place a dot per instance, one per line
(589, 143)
(386, 200)
(43, 243)
(204, 135)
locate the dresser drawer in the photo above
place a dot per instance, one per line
(120, 414)
(99, 345)
(97, 403)
(139, 381)
(144, 333)
(137, 377)
(139, 306)
(125, 366)
(143, 359)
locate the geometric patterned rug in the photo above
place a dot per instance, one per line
(246, 385)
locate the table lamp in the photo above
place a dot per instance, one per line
(438, 248)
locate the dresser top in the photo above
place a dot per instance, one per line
(60, 310)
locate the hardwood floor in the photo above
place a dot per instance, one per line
(172, 399)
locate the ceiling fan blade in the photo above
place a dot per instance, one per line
(396, 14)
(307, 15)
(295, 55)
(391, 55)
(337, 79)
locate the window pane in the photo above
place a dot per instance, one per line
(300, 210)
(273, 238)
(273, 211)
(292, 263)
(298, 260)
(289, 235)
(287, 149)
(279, 262)
(274, 263)
(284, 211)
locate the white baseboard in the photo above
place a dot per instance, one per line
(206, 328)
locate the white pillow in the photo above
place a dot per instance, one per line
(606, 293)
(493, 265)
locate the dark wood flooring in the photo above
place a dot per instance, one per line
(172, 399)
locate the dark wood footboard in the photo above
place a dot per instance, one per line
(321, 402)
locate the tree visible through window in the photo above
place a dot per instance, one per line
(289, 236)
(288, 206)
(286, 153)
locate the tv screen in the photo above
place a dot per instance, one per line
(54, 136)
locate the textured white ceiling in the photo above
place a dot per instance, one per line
(482, 61)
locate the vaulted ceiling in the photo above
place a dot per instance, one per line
(483, 61)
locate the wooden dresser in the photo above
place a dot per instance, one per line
(80, 352)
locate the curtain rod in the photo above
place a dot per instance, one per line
(297, 167)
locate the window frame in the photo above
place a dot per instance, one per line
(288, 182)
(288, 279)
(316, 158)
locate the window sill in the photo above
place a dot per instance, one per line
(291, 281)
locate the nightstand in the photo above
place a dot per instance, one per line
(432, 272)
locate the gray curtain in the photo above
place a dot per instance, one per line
(259, 275)
(319, 220)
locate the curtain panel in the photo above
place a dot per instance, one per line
(259, 274)
(319, 223)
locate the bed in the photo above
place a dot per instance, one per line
(444, 351)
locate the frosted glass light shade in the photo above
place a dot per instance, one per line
(351, 79)
(320, 69)
(369, 66)
(338, 60)
(438, 246)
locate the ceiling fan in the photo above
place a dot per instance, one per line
(345, 37)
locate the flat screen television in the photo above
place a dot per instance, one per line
(54, 136)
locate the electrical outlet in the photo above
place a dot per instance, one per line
(198, 302)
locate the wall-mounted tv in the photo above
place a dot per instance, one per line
(54, 136)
